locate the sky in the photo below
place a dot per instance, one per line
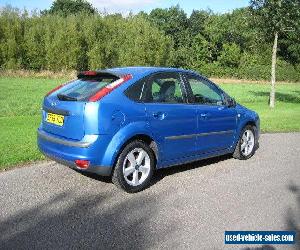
(124, 6)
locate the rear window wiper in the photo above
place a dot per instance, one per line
(66, 98)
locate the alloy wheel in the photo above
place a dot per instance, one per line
(136, 167)
(247, 142)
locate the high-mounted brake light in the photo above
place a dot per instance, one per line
(57, 88)
(109, 88)
(90, 73)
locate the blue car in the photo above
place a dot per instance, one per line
(128, 122)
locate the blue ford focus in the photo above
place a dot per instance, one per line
(128, 122)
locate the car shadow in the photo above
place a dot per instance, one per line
(162, 173)
(287, 98)
(106, 179)
(293, 216)
(69, 220)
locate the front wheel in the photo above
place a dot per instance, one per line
(134, 167)
(246, 145)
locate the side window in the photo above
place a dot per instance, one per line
(164, 88)
(203, 92)
(134, 92)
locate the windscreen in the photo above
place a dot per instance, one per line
(82, 89)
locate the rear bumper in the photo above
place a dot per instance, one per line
(87, 141)
(65, 151)
(103, 171)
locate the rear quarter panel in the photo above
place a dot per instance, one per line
(121, 138)
(123, 119)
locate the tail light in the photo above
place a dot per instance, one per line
(109, 88)
(82, 164)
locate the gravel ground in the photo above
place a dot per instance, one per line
(49, 206)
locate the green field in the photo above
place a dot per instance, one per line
(20, 104)
(286, 115)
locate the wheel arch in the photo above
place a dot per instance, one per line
(247, 122)
(251, 123)
(134, 131)
(255, 127)
(142, 137)
(145, 138)
(237, 154)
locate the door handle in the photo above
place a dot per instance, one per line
(159, 115)
(204, 115)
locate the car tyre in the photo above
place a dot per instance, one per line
(134, 167)
(247, 144)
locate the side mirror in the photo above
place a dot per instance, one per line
(230, 102)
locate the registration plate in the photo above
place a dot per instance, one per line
(55, 119)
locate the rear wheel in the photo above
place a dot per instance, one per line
(134, 167)
(246, 145)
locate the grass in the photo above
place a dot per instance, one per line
(20, 105)
(21, 98)
(286, 115)
(18, 142)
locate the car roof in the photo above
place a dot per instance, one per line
(141, 71)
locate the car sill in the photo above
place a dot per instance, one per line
(178, 137)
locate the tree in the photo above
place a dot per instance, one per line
(34, 44)
(173, 21)
(200, 52)
(289, 46)
(230, 55)
(69, 7)
(220, 45)
(11, 38)
(274, 18)
(197, 21)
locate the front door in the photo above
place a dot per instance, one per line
(216, 123)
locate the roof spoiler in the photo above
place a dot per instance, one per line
(102, 73)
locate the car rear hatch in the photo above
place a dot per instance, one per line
(64, 107)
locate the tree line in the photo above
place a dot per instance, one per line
(221, 45)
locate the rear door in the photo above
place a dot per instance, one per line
(216, 122)
(64, 109)
(171, 120)
(63, 118)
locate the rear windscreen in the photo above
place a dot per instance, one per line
(83, 89)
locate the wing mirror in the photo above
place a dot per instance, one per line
(230, 102)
